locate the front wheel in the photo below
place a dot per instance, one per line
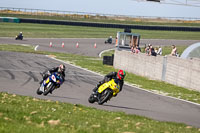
(104, 96)
(38, 91)
(91, 99)
(48, 89)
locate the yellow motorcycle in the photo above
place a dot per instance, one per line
(105, 92)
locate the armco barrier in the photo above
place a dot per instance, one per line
(174, 70)
(9, 19)
(103, 25)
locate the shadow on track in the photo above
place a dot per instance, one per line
(123, 107)
(63, 97)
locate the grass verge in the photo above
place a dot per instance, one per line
(25, 114)
(96, 65)
(64, 31)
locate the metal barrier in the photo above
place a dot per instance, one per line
(9, 19)
(87, 14)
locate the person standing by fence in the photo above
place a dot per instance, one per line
(174, 51)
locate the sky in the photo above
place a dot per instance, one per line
(118, 7)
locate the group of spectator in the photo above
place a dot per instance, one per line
(135, 49)
(151, 51)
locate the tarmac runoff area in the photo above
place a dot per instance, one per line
(23, 73)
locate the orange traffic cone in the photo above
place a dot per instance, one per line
(50, 44)
(63, 44)
(95, 45)
(77, 45)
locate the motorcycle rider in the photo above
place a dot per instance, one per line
(60, 70)
(109, 40)
(20, 35)
(117, 76)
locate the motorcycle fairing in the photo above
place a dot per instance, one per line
(111, 84)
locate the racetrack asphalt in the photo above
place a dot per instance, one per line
(86, 46)
(19, 74)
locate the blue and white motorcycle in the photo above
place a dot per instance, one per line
(50, 84)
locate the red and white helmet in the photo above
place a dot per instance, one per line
(62, 67)
(121, 74)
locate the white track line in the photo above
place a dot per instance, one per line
(36, 47)
(105, 51)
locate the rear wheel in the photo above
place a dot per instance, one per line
(104, 96)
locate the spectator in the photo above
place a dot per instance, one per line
(156, 50)
(138, 48)
(152, 51)
(116, 41)
(147, 49)
(174, 51)
(135, 50)
(159, 52)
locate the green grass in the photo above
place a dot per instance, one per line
(54, 31)
(64, 31)
(95, 64)
(104, 19)
(30, 115)
(167, 49)
(108, 53)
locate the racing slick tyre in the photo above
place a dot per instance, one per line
(105, 96)
(48, 89)
(91, 99)
(39, 92)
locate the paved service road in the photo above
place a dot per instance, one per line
(86, 46)
(19, 74)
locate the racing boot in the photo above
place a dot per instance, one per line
(94, 93)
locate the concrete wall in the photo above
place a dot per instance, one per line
(177, 71)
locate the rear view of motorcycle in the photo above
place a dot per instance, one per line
(50, 84)
(19, 37)
(105, 92)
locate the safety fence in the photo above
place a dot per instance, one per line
(85, 14)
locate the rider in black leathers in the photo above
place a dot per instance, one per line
(117, 76)
(19, 36)
(60, 69)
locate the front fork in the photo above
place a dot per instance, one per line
(43, 85)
